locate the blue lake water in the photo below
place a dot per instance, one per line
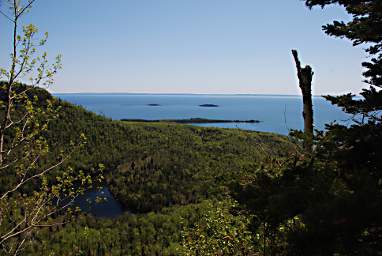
(277, 113)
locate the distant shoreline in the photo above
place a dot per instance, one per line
(191, 121)
(178, 94)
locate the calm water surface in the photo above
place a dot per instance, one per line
(277, 113)
(107, 207)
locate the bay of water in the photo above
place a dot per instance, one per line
(277, 114)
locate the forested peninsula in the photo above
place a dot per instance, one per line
(183, 189)
(192, 121)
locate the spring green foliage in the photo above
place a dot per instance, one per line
(155, 165)
(174, 180)
(219, 231)
(164, 233)
(184, 164)
(35, 186)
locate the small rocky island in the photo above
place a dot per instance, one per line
(208, 106)
(153, 105)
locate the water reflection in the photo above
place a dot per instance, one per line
(100, 203)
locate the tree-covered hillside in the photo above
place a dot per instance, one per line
(150, 166)
(172, 179)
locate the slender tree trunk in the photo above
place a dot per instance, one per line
(8, 105)
(305, 76)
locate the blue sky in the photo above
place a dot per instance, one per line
(192, 46)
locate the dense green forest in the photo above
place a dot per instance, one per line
(189, 190)
(151, 166)
(172, 180)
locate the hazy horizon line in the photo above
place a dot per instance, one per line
(176, 93)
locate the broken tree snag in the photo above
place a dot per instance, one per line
(305, 76)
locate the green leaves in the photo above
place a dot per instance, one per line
(30, 196)
(218, 232)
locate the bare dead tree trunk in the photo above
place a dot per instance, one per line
(305, 76)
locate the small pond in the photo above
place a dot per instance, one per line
(100, 203)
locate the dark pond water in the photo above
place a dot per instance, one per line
(100, 203)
